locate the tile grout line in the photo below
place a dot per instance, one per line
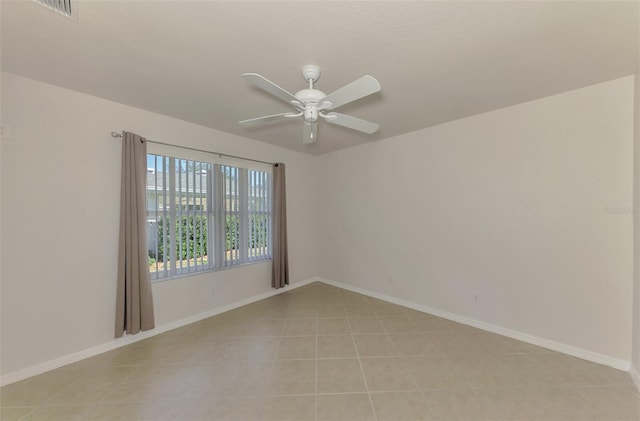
(27, 414)
(581, 396)
(266, 395)
(418, 389)
(364, 377)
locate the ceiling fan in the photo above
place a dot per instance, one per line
(312, 103)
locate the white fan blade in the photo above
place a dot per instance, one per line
(265, 119)
(310, 132)
(352, 122)
(266, 85)
(357, 89)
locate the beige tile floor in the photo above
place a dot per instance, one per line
(322, 353)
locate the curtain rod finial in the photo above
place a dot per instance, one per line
(116, 134)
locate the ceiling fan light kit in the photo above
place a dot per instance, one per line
(311, 103)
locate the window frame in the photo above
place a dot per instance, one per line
(214, 211)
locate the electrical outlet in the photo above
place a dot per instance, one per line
(5, 131)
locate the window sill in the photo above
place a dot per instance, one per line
(187, 275)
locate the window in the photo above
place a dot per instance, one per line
(203, 215)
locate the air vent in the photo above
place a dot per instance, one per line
(66, 8)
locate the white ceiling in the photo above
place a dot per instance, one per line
(436, 61)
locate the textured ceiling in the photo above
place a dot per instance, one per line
(436, 61)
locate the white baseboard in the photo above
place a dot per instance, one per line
(635, 376)
(524, 337)
(129, 339)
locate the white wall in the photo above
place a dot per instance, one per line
(60, 199)
(519, 207)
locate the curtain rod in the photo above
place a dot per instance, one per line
(116, 134)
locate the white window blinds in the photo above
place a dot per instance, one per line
(205, 216)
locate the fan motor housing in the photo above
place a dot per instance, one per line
(310, 96)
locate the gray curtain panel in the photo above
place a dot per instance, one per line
(280, 271)
(134, 301)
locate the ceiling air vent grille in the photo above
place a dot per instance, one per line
(66, 8)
